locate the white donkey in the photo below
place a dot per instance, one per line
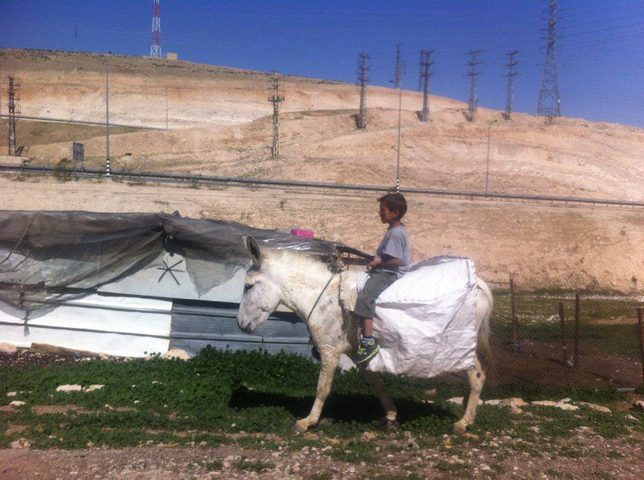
(305, 284)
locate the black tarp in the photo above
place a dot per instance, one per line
(45, 255)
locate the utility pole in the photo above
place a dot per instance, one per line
(155, 49)
(13, 108)
(276, 99)
(473, 73)
(549, 101)
(363, 68)
(425, 76)
(108, 170)
(487, 161)
(398, 83)
(511, 74)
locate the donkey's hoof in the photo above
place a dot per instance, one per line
(460, 427)
(301, 426)
(389, 423)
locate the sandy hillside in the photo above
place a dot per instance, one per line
(543, 246)
(220, 124)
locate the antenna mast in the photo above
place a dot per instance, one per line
(155, 49)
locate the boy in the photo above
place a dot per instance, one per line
(390, 263)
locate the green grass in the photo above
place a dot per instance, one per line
(538, 319)
(205, 400)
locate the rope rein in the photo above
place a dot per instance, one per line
(320, 296)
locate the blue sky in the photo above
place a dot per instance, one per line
(600, 46)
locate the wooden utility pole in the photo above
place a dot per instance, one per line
(575, 358)
(562, 334)
(13, 109)
(641, 330)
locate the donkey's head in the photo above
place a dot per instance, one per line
(261, 295)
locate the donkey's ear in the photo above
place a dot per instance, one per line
(253, 250)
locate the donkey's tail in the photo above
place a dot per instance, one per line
(484, 307)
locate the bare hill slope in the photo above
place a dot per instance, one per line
(220, 124)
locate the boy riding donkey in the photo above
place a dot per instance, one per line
(390, 263)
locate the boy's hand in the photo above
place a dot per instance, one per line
(376, 262)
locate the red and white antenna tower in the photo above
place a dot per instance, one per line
(155, 49)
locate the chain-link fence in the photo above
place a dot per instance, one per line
(567, 338)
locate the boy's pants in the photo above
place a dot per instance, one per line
(376, 284)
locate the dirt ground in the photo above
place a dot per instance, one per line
(600, 458)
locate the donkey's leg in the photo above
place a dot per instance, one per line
(375, 380)
(327, 371)
(476, 376)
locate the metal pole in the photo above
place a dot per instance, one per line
(107, 117)
(640, 323)
(562, 334)
(487, 163)
(575, 361)
(399, 134)
(515, 322)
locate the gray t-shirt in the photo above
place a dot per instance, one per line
(395, 243)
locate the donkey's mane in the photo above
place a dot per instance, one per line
(299, 260)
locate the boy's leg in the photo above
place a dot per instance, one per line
(367, 327)
(365, 309)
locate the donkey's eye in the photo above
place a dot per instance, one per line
(247, 286)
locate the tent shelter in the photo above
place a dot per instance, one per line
(132, 284)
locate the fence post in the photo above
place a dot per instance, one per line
(575, 361)
(562, 334)
(515, 322)
(641, 328)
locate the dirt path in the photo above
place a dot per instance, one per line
(583, 456)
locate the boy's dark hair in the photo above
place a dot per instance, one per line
(395, 201)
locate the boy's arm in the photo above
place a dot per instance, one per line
(385, 261)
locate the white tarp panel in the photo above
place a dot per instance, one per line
(122, 326)
(425, 321)
(167, 277)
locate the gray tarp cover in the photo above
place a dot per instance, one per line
(45, 255)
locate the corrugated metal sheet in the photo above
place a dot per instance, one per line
(197, 324)
(122, 326)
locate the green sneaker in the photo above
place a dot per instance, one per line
(366, 351)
